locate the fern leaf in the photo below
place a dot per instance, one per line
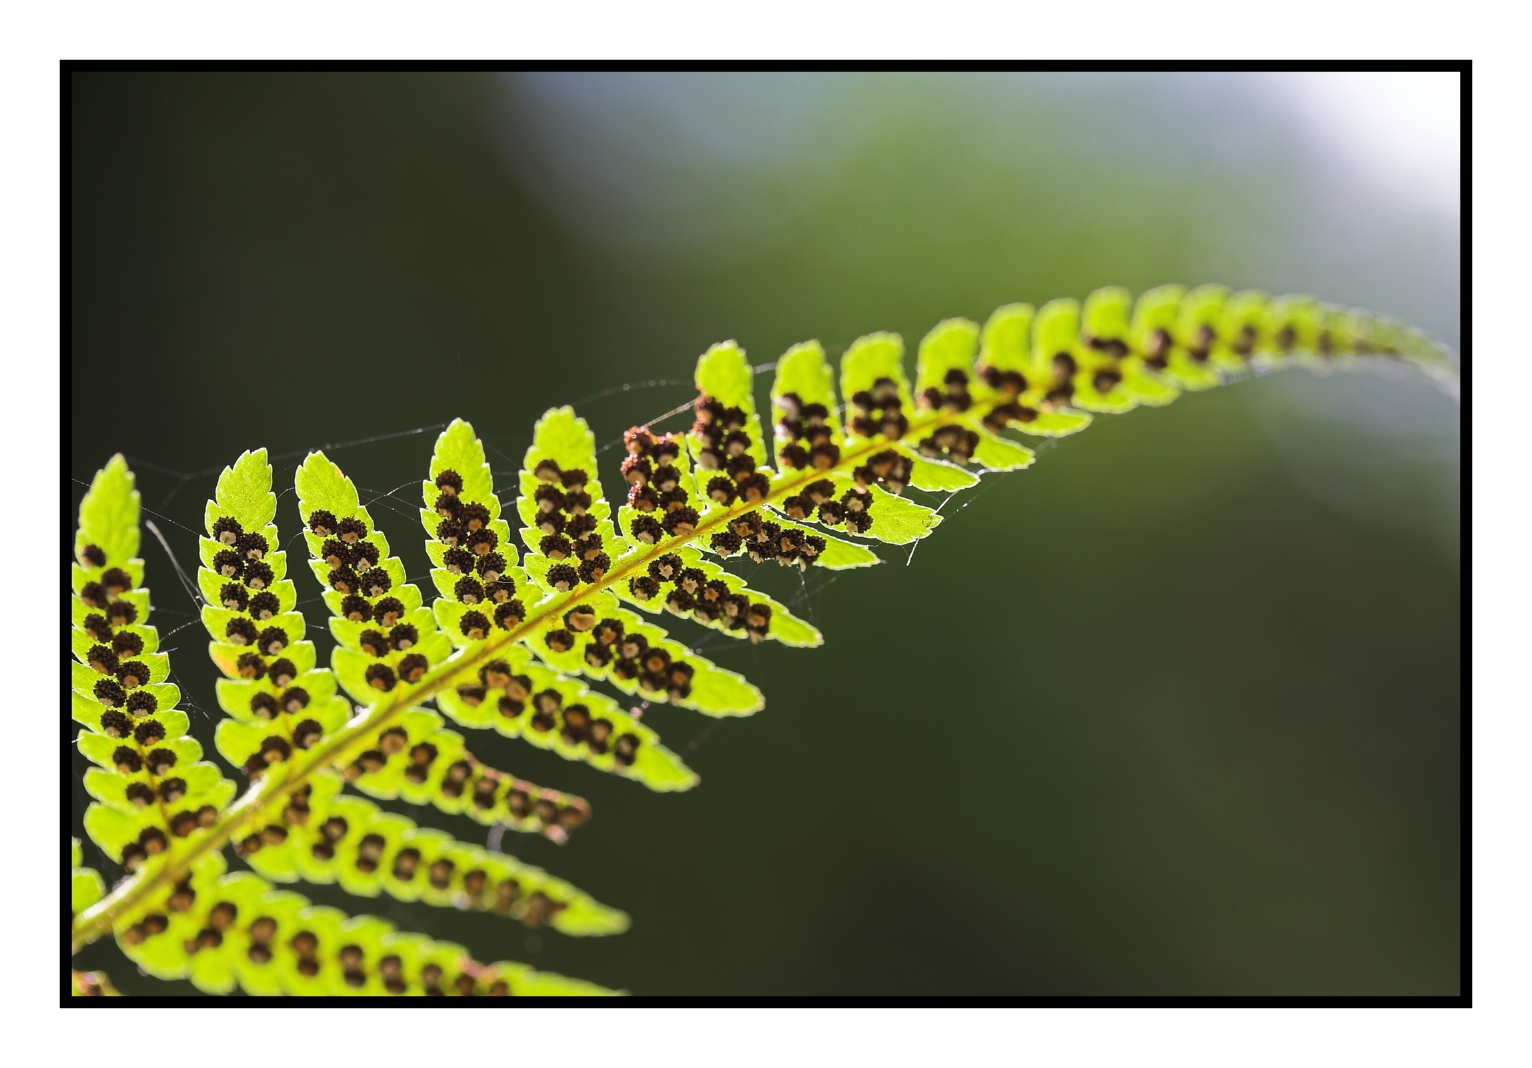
(176, 913)
(586, 633)
(225, 930)
(86, 887)
(417, 760)
(1029, 371)
(1033, 372)
(809, 437)
(386, 637)
(281, 702)
(325, 836)
(521, 698)
(1156, 334)
(151, 788)
(647, 663)
(479, 591)
(460, 494)
(1006, 370)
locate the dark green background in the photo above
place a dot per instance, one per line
(1174, 712)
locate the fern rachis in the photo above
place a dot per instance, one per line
(565, 603)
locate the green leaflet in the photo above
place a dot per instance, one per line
(895, 520)
(804, 411)
(1111, 400)
(86, 887)
(1054, 424)
(1155, 311)
(321, 485)
(459, 500)
(688, 585)
(725, 415)
(785, 627)
(691, 589)
(567, 522)
(1199, 316)
(810, 437)
(1006, 342)
(281, 703)
(458, 450)
(840, 555)
(869, 359)
(948, 348)
(815, 435)
(804, 373)
(1143, 386)
(556, 508)
(1055, 332)
(228, 930)
(1001, 454)
(520, 698)
(639, 658)
(899, 520)
(109, 515)
(1105, 317)
(938, 476)
(244, 491)
(328, 837)
(389, 639)
(150, 788)
(419, 761)
(1202, 332)
(1244, 326)
(385, 637)
(1292, 322)
(724, 374)
(451, 779)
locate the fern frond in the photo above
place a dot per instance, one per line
(1005, 366)
(563, 715)
(177, 914)
(1032, 373)
(324, 836)
(386, 637)
(152, 790)
(279, 700)
(592, 635)
(225, 930)
(479, 590)
(519, 699)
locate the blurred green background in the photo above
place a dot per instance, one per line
(1174, 712)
